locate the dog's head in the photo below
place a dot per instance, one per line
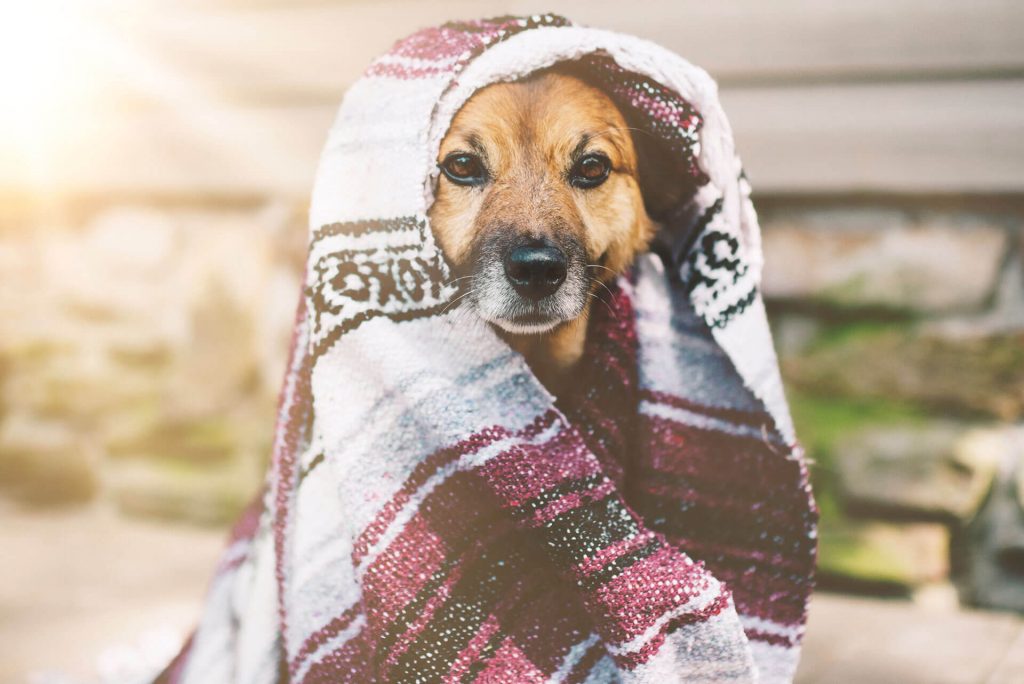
(539, 200)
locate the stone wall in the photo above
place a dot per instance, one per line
(141, 350)
(900, 328)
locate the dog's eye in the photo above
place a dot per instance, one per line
(464, 169)
(590, 171)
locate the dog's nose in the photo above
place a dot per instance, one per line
(535, 270)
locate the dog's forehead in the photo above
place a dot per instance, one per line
(551, 109)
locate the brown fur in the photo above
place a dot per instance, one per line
(527, 132)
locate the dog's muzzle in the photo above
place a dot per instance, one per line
(528, 284)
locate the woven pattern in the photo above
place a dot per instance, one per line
(432, 513)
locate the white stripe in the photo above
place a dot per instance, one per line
(711, 651)
(333, 244)
(572, 658)
(769, 627)
(330, 646)
(699, 420)
(603, 672)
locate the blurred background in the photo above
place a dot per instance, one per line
(155, 166)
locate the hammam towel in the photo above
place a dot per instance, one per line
(432, 513)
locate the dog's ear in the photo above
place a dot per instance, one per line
(665, 181)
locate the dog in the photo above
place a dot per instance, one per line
(539, 205)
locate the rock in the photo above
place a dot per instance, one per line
(172, 490)
(1000, 447)
(1005, 315)
(971, 376)
(44, 462)
(81, 386)
(220, 359)
(934, 471)
(882, 258)
(794, 334)
(995, 543)
(876, 555)
(202, 441)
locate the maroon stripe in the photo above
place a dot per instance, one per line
(398, 575)
(227, 566)
(716, 457)
(474, 654)
(243, 532)
(526, 471)
(601, 558)
(695, 510)
(773, 639)
(406, 72)
(769, 586)
(568, 502)
(655, 585)
(742, 555)
(322, 636)
(290, 434)
(786, 606)
(350, 663)
(510, 664)
(725, 503)
(249, 521)
(172, 673)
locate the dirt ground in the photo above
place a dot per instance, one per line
(88, 596)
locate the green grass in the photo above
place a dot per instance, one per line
(821, 422)
(847, 547)
(841, 333)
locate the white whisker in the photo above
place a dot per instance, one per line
(610, 309)
(455, 280)
(608, 289)
(600, 266)
(451, 303)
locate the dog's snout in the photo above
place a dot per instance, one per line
(535, 269)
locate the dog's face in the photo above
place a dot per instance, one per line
(538, 201)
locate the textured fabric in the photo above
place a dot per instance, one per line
(432, 513)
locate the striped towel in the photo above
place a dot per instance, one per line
(432, 513)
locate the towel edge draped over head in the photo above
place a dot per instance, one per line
(432, 514)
